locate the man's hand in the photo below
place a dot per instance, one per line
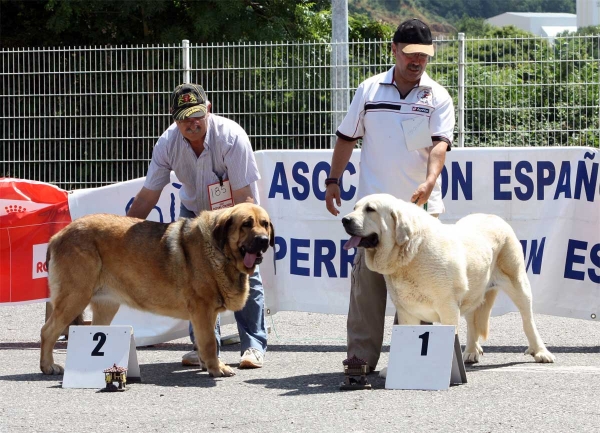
(243, 195)
(421, 195)
(341, 155)
(435, 164)
(333, 193)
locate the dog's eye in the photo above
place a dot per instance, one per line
(369, 209)
(265, 224)
(248, 223)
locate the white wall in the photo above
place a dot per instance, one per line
(533, 22)
(588, 13)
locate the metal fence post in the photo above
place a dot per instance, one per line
(461, 90)
(339, 63)
(185, 60)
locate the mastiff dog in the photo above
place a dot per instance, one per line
(437, 272)
(191, 269)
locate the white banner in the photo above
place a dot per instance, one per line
(550, 196)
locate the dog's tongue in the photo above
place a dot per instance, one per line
(352, 242)
(249, 260)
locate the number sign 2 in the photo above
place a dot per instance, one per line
(424, 357)
(93, 349)
(102, 337)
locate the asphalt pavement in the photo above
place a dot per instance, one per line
(298, 388)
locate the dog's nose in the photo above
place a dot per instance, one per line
(260, 243)
(345, 221)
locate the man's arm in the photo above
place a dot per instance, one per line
(435, 164)
(242, 195)
(341, 155)
(143, 203)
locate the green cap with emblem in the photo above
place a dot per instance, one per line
(188, 100)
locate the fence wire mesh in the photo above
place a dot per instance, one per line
(87, 117)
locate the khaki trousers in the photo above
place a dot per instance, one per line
(366, 314)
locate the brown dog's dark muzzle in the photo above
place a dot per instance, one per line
(259, 243)
(253, 253)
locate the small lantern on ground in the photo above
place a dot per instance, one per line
(115, 374)
(355, 370)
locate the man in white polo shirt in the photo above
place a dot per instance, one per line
(406, 122)
(205, 150)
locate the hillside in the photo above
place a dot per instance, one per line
(394, 12)
(442, 15)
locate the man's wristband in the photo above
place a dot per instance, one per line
(331, 180)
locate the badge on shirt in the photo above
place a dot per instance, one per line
(416, 133)
(219, 195)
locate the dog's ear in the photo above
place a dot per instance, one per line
(272, 235)
(221, 230)
(403, 230)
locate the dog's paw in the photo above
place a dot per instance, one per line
(541, 355)
(383, 372)
(222, 371)
(471, 355)
(52, 369)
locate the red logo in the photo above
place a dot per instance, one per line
(187, 99)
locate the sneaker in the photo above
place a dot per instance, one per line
(252, 358)
(192, 359)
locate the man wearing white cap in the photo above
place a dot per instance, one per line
(406, 122)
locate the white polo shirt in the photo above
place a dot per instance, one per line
(376, 115)
(227, 152)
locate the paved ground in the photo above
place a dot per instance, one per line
(298, 389)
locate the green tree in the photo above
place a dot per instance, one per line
(112, 22)
(473, 26)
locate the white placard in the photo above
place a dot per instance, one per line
(421, 357)
(93, 349)
(416, 133)
(219, 195)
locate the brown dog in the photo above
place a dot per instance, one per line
(191, 269)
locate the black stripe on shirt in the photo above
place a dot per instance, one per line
(345, 137)
(440, 138)
(382, 106)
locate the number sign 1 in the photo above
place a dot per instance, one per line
(424, 357)
(93, 349)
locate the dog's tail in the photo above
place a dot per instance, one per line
(481, 316)
(80, 319)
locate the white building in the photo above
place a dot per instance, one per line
(541, 24)
(588, 13)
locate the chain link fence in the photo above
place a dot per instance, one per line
(87, 117)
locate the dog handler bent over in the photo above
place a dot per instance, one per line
(208, 152)
(406, 122)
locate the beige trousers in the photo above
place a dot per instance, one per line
(366, 314)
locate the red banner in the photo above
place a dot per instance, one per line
(30, 213)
